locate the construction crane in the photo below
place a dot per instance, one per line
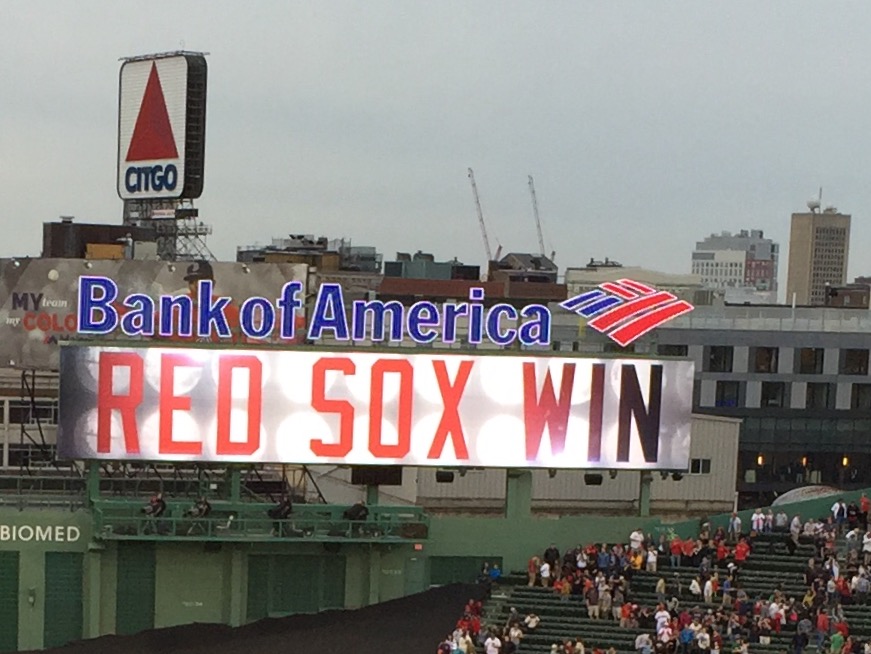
(537, 218)
(480, 215)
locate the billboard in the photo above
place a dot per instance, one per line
(39, 298)
(161, 127)
(350, 407)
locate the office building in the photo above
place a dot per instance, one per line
(742, 266)
(819, 245)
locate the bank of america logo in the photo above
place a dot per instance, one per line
(625, 310)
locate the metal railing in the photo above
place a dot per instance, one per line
(125, 520)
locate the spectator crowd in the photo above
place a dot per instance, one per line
(701, 605)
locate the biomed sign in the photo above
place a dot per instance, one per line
(351, 407)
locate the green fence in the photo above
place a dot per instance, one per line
(125, 520)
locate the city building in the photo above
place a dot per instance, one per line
(687, 287)
(742, 266)
(320, 253)
(819, 247)
(67, 239)
(422, 265)
(523, 267)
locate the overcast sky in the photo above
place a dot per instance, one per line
(647, 125)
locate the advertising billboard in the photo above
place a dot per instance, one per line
(161, 127)
(307, 406)
(39, 299)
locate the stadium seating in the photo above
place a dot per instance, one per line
(770, 566)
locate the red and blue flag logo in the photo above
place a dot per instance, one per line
(626, 310)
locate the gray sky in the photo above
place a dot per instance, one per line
(647, 125)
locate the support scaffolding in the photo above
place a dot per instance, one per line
(180, 235)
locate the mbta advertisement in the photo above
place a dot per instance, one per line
(353, 407)
(40, 300)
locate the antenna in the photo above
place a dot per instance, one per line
(814, 204)
(481, 216)
(537, 218)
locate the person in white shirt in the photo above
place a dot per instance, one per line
(866, 547)
(795, 528)
(757, 521)
(709, 591)
(636, 538)
(492, 645)
(695, 588)
(545, 574)
(515, 634)
(853, 538)
(662, 617)
(734, 527)
(643, 643)
(703, 641)
(652, 558)
(666, 634)
(781, 521)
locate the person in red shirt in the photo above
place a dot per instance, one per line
(688, 549)
(532, 569)
(722, 551)
(822, 627)
(625, 614)
(675, 548)
(864, 508)
(742, 549)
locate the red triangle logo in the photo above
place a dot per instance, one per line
(152, 135)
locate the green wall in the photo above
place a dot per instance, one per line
(198, 582)
(189, 585)
(33, 533)
(514, 541)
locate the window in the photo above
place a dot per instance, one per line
(728, 393)
(700, 466)
(820, 396)
(773, 394)
(854, 362)
(810, 361)
(29, 455)
(763, 359)
(614, 348)
(861, 396)
(668, 350)
(24, 412)
(720, 358)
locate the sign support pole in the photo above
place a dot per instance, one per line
(518, 494)
(93, 482)
(644, 493)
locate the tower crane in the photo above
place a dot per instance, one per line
(480, 215)
(537, 218)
